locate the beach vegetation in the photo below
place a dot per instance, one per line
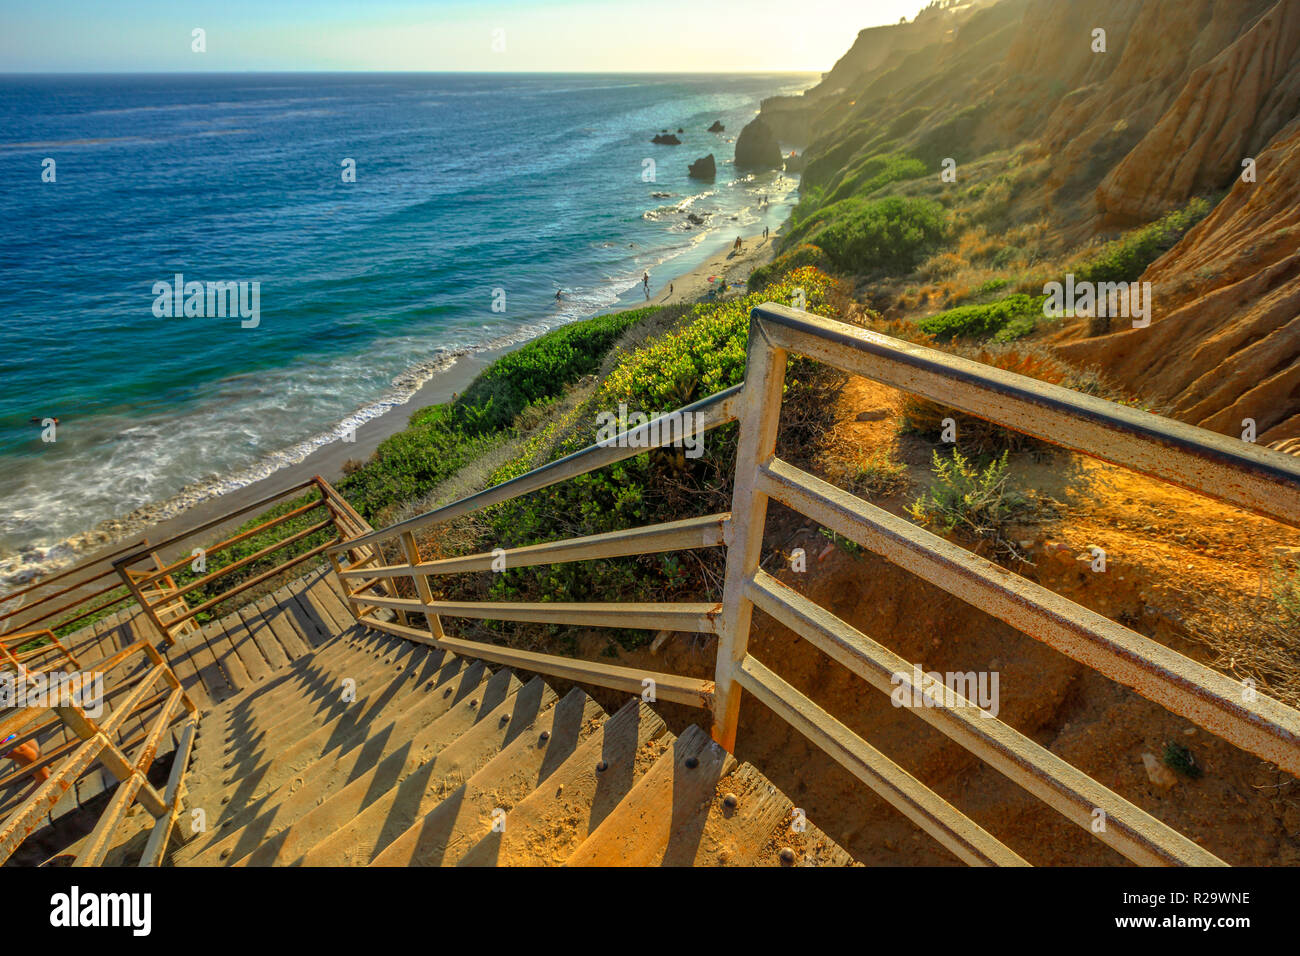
(889, 236)
(1002, 321)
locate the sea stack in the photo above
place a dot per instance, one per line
(704, 168)
(717, 127)
(757, 148)
(666, 139)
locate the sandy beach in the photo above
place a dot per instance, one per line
(734, 266)
(328, 461)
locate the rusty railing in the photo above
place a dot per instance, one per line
(176, 608)
(96, 739)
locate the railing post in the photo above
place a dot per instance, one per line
(122, 566)
(421, 581)
(760, 413)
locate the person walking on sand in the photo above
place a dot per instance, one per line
(645, 282)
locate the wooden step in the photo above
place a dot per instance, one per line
(291, 843)
(546, 826)
(246, 784)
(307, 683)
(485, 800)
(362, 838)
(403, 741)
(662, 818)
(241, 737)
(320, 691)
(376, 679)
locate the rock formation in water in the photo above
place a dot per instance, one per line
(704, 168)
(757, 148)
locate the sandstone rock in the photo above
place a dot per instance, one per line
(1228, 109)
(1158, 773)
(1224, 339)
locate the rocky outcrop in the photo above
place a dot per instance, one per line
(717, 127)
(666, 139)
(704, 168)
(757, 147)
(1224, 340)
(1227, 110)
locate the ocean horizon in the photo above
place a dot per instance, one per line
(381, 224)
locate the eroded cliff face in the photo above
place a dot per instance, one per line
(1226, 110)
(1184, 92)
(1224, 340)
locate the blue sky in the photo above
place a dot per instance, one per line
(556, 35)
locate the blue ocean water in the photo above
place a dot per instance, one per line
(465, 184)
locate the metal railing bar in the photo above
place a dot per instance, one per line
(1130, 830)
(1259, 479)
(692, 691)
(966, 839)
(708, 413)
(698, 618)
(1263, 726)
(221, 546)
(705, 532)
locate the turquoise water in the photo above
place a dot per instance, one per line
(469, 190)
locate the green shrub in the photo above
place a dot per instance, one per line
(875, 173)
(797, 258)
(1003, 321)
(704, 356)
(969, 499)
(890, 235)
(1286, 592)
(992, 285)
(534, 371)
(1178, 757)
(1125, 259)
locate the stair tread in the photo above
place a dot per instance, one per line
(545, 827)
(245, 788)
(457, 680)
(369, 832)
(485, 800)
(661, 818)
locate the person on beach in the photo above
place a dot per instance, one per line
(559, 296)
(645, 283)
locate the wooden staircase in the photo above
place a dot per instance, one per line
(374, 751)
